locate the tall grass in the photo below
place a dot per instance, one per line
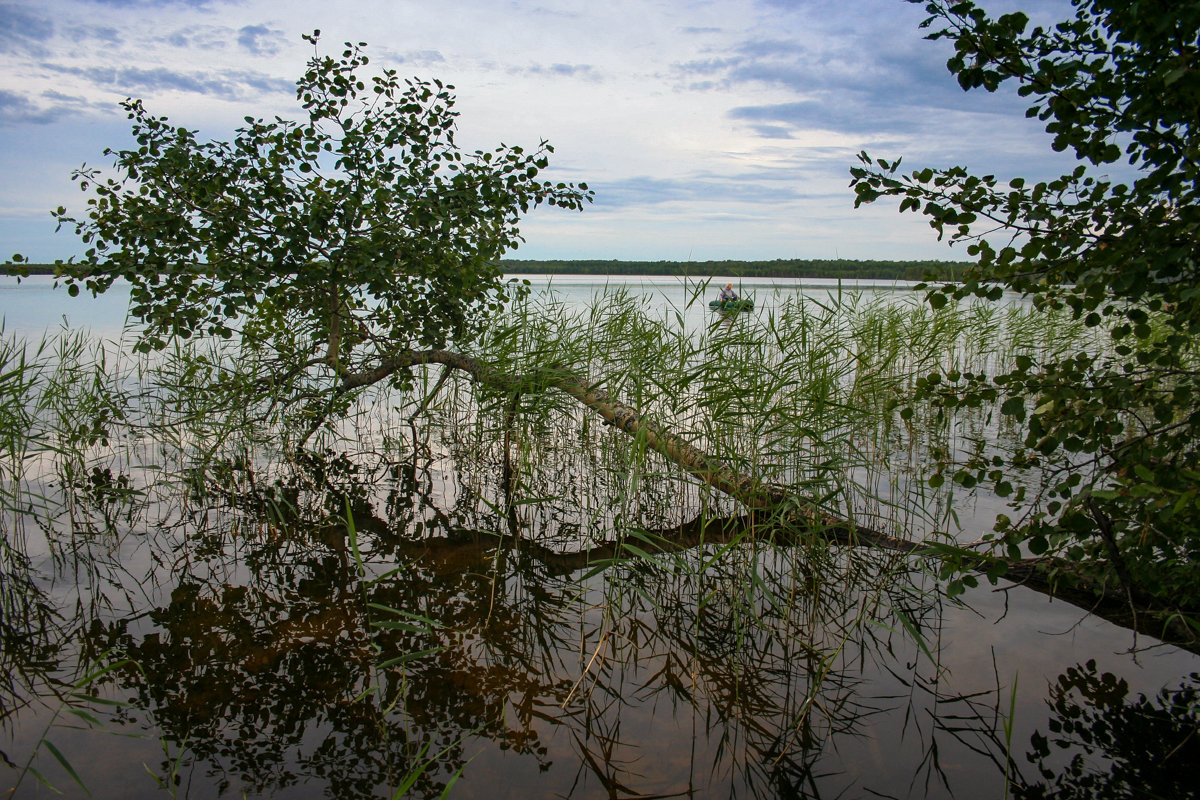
(803, 395)
(176, 466)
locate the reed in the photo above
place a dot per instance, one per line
(181, 459)
(803, 396)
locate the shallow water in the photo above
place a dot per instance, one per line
(258, 646)
(256, 653)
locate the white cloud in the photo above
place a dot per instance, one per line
(721, 127)
(261, 40)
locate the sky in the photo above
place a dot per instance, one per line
(709, 129)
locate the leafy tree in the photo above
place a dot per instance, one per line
(1120, 746)
(334, 244)
(1115, 433)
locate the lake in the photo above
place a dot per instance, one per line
(396, 619)
(32, 305)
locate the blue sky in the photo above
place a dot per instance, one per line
(709, 129)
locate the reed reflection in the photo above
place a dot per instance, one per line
(276, 660)
(509, 597)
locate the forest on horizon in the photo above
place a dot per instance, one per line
(778, 268)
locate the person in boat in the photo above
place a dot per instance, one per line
(727, 295)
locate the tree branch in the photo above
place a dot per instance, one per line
(746, 489)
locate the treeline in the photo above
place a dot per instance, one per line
(779, 268)
(27, 269)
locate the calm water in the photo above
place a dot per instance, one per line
(256, 648)
(32, 306)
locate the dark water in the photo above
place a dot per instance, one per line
(174, 632)
(264, 649)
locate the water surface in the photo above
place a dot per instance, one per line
(256, 645)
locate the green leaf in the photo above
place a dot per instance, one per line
(404, 659)
(61, 759)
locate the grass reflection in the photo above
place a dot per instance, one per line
(729, 662)
(495, 592)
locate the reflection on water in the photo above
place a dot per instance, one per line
(1115, 745)
(269, 650)
(416, 611)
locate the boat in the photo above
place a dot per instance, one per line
(732, 306)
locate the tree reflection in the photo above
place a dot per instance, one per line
(32, 643)
(722, 664)
(677, 662)
(1114, 745)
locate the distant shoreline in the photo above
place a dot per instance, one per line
(778, 268)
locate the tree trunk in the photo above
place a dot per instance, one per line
(748, 490)
(756, 496)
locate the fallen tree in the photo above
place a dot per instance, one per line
(748, 490)
(779, 513)
(349, 247)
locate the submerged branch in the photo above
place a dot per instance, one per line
(754, 494)
(784, 511)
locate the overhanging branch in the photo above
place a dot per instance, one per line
(754, 494)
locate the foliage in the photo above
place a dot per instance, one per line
(1116, 434)
(332, 243)
(1119, 746)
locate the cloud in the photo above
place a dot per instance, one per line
(688, 118)
(152, 4)
(137, 80)
(773, 131)
(258, 40)
(753, 187)
(261, 40)
(50, 106)
(15, 108)
(559, 13)
(23, 32)
(423, 57)
(585, 71)
(806, 69)
(897, 88)
(200, 38)
(105, 35)
(841, 115)
(66, 99)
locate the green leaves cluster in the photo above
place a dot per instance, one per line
(337, 240)
(1117, 741)
(1115, 434)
